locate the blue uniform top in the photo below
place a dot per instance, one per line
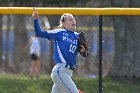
(65, 43)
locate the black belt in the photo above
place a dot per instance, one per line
(70, 67)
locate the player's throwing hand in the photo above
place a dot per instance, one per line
(35, 14)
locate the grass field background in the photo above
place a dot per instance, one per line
(24, 84)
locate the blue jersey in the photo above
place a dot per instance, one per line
(65, 43)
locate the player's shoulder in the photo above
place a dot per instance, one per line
(56, 31)
(76, 33)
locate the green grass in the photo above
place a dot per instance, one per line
(120, 86)
(24, 84)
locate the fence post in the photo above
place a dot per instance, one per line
(100, 53)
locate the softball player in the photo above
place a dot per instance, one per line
(65, 51)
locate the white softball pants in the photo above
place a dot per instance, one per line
(63, 82)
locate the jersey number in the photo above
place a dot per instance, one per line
(72, 48)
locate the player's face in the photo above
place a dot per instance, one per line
(70, 22)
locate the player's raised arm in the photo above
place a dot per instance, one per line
(38, 31)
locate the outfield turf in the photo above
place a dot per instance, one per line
(24, 84)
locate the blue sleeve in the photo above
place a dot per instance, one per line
(43, 34)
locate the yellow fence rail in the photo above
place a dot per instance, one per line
(75, 11)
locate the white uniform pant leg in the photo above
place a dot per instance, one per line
(63, 83)
(56, 89)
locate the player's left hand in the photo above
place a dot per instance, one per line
(82, 48)
(83, 44)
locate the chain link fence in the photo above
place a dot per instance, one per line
(120, 48)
